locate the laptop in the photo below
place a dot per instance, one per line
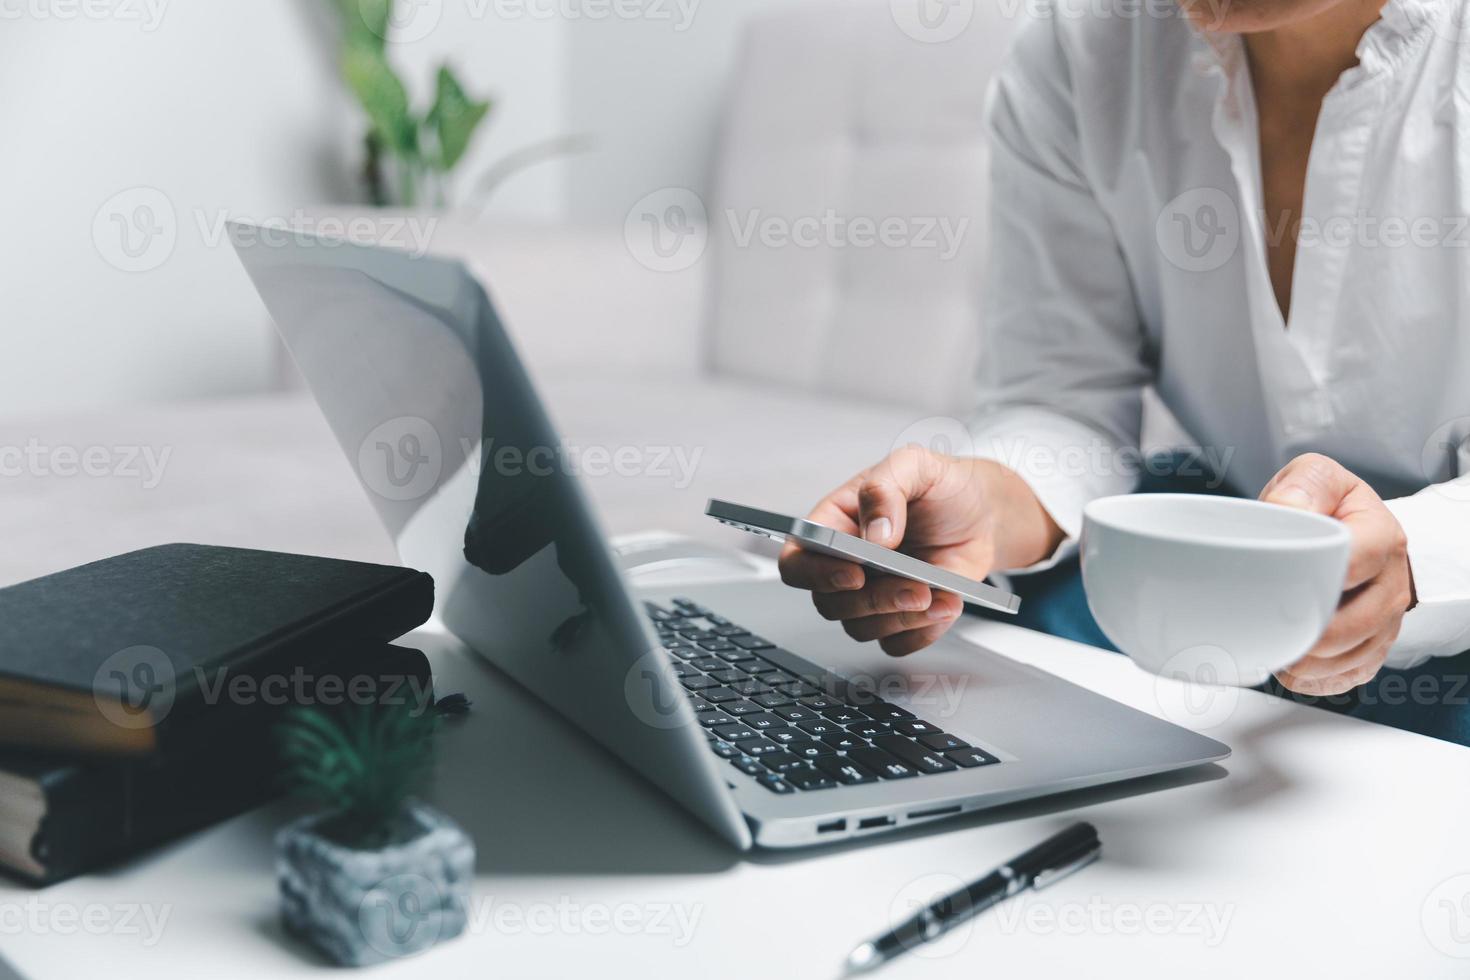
(762, 719)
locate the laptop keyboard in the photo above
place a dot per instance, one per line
(787, 722)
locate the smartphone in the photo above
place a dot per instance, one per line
(827, 541)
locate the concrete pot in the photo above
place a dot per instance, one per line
(361, 907)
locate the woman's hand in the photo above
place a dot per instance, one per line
(971, 516)
(1379, 587)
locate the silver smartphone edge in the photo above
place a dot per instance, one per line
(849, 546)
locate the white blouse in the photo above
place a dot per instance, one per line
(1128, 249)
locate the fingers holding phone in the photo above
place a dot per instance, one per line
(943, 510)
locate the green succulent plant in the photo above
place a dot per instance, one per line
(361, 763)
(425, 145)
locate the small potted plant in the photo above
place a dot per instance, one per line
(376, 875)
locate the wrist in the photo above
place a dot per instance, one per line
(1024, 531)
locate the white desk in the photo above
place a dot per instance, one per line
(1311, 852)
(1319, 844)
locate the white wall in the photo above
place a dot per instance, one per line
(194, 109)
(202, 108)
(651, 90)
(206, 108)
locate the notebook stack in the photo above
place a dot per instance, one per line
(138, 693)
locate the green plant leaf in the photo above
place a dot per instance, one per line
(382, 96)
(454, 118)
(361, 762)
(367, 20)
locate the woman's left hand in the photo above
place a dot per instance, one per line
(1379, 587)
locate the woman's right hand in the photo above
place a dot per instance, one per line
(970, 516)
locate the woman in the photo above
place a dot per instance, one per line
(1259, 207)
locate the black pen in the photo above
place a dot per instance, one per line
(1054, 859)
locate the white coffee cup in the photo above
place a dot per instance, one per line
(1186, 584)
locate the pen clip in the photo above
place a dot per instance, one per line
(1053, 875)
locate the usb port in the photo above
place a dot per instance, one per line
(832, 826)
(868, 823)
(936, 812)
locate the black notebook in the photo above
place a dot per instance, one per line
(117, 656)
(60, 817)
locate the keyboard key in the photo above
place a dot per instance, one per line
(760, 747)
(747, 662)
(729, 630)
(741, 708)
(747, 686)
(724, 750)
(773, 700)
(809, 779)
(685, 653)
(844, 715)
(771, 677)
(697, 683)
(798, 689)
(808, 748)
(749, 642)
(774, 783)
(708, 663)
(943, 742)
(716, 646)
(883, 711)
(684, 670)
(718, 695)
(916, 728)
(880, 762)
(842, 741)
(822, 703)
(699, 704)
(820, 727)
(781, 761)
(763, 721)
(712, 719)
(657, 613)
(691, 607)
(970, 757)
(735, 732)
(784, 735)
(844, 770)
(695, 636)
(796, 712)
(748, 766)
(727, 676)
(870, 729)
(908, 751)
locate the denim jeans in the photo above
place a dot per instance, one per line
(1431, 699)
